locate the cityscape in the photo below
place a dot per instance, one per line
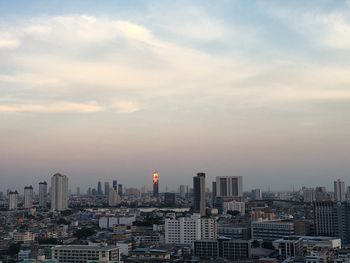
(202, 222)
(174, 131)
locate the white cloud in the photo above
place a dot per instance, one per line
(126, 106)
(8, 41)
(55, 107)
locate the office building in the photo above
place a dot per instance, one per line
(43, 195)
(222, 248)
(182, 191)
(28, 197)
(115, 185)
(235, 231)
(199, 202)
(324, 218)
(256, 194)
(99, 188)
(229, 186)
(85, 254)
(120, 189)
(290, 247)
(272, 230)
(13, 200)
(106, 189)
(59, 192)
(339, 191)
(155, 180)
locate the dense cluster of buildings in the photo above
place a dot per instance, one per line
(113, 224)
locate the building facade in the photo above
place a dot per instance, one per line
(199, 202)
(59, 192)
(84, 254)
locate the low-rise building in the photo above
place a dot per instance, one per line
(85, 254)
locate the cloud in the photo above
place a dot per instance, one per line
(125, 106)
(7, 41)
(55, 107)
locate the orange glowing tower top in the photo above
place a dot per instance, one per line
(155, 184)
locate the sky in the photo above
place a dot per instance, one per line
(103, 90)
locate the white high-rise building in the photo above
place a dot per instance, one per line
(113, 198)
(185, 230)
(59, 192)
(28, 197)
(43, 195)
(13, 200)
(256, 194)
(234, 206)
(339, 190)
(229, 186)
(309, 195)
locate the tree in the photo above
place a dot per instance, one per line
(255, 243)
(267, 244)
(85, 232)
(14, 249)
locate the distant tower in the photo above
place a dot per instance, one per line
(59, 192)
(256, 194)
(13, 200)
(155, 184)
(106, 188)
(28, 197)
(339, 190)
(115, 185)
(199, 203)
(120, 189)
(99, 188)
(43, 195)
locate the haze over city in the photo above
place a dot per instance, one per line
(98, 90)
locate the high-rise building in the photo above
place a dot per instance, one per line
(59, 192)
(120, 189)
(43, 195)
(324, 218)
(113, 197)
(13, 200)
(199, 202)
(256, 194)
(155, 177)
(99, 188)
(229, 186)
(106, 189)
(182, 191)
(169, 199)
(115, 185)
(78, 191)
(309, 195)
(28, 197)
(339, 191)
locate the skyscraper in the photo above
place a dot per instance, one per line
(99, 188)
(28, 197)
(229, 186)
(13, 200)
(256, 194)
(43, 195)
(155, 184)
(115, 185)
(106, 188)
(120, 189)
(339, 190)
(59, 192)
(199, 204)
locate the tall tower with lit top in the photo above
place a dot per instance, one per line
(155, 184)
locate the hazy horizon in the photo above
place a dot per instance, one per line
(117, 89)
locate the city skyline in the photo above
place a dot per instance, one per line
(116, 90)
